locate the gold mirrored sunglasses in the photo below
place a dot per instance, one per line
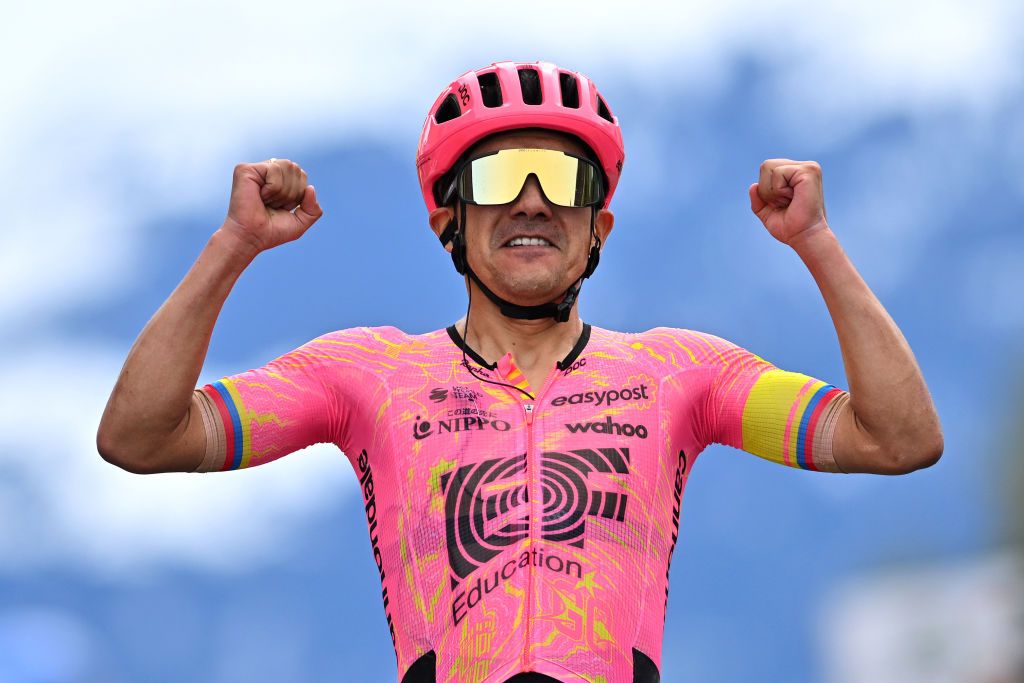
(498, 178)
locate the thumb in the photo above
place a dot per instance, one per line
(308, 211)
(756, 203)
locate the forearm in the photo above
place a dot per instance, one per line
(154, 390)
(888, 394)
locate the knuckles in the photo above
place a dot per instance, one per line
(771, 165)
(286, 166)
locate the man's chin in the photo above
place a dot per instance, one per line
(523, 295)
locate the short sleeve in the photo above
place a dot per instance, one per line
(786, 417)
(294, 401)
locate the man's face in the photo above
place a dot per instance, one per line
(528, 275)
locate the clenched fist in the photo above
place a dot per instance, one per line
(271, 204)
(788, 198)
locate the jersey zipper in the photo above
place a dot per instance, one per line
(532, 469)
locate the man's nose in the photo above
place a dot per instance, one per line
(531, 201)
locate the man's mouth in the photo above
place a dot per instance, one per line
(528, 242)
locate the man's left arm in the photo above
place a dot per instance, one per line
(889, 424)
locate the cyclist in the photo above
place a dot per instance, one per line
(522, 470)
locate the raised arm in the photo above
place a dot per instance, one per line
(153, 420)
(889, 425)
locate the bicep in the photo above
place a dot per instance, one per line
(263, 414)
(307, 396)
(855, 450)
(784, 417)
(188, 446)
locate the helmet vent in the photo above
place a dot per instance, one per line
(570, 90)
(448, 110)
(529, 81)
(602, 109)
(490, 89)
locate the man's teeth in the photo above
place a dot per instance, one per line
(529, 242)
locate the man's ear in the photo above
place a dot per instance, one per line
(603, 225)
(439, 220)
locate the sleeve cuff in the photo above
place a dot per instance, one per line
(214, 434)
(824, 458)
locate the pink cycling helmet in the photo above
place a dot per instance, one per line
(489, 100)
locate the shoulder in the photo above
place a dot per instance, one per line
(384, 340)
(671, 343)
(384, 334)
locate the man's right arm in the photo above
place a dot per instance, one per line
(153, 420)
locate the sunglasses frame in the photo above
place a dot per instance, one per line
(462, 167)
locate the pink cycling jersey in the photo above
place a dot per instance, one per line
(516, 534)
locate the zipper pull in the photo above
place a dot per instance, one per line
(528, 409)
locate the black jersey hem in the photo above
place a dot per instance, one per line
(424, 670)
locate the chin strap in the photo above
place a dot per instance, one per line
(559, 310)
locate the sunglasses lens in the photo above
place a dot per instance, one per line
(499, 178)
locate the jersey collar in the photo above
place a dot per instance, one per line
(573, 354)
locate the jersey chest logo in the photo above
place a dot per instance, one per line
(487, 503)
(487, 511)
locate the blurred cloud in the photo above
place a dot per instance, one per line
(62, 505)
(126, 110)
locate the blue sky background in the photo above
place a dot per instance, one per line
(120, 126)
